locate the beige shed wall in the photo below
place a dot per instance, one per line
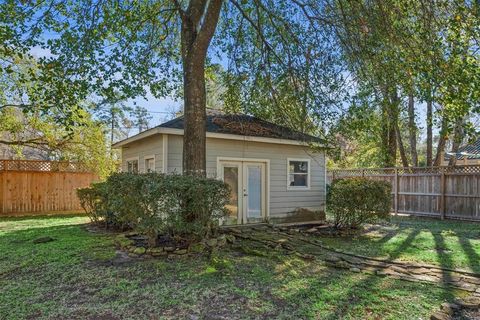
(142, 149)
(283, 202)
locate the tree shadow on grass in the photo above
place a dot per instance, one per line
(472, 255)
(446, 262)
(367, 289)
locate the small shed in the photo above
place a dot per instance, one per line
(276, 174)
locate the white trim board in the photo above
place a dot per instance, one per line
(165, 153)
(166, 131)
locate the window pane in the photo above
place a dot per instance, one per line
(149, 165)
(132, 166)
(254, 194)
(298, 167)
(298, 180)
(230, 177)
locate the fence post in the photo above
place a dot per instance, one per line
(442, 195)
(396, 191)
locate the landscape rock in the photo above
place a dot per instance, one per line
(180, 251)
(211, 242)
(469, 302)
(157, 251)
(311, 230)
(197, 247)
(438, 315)
(230, 238)
(139, 250)
(333, 259)
(169, 249)
(43, 240)
(449, 308)
(355, 269)
(222, 240)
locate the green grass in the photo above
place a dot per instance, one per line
(450, 244)
(74, 277)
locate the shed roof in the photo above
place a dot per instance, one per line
(245, 125)
(237, 127)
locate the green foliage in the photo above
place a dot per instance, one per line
(40, 134)
(358, 200)
(155, 203)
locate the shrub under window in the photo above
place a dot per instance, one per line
(356, 201)
(155, 203)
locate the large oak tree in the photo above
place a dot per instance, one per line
(124, 49)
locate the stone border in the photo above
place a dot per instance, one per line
(125, 243)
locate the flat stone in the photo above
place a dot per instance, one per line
(398, 269)
(197, 247)
(180, 251)
(139, 250)
(439, 315)
(230, 238)
(356, 270)
(466, 286)
(425, 277)
(235, 230)
(380, 273)
(449, 308)
(311, 230)
(471, 280)
(221, 241)
(419, 270)
(333, 259)
(469, 302)
(211, 242)
(43, 240)
(169, 249)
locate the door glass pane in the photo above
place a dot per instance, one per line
(230, 177)
(254, 206)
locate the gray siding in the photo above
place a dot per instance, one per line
(282, 201)
(144, 148)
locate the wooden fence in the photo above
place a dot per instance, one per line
(445, 192)
(31, 186)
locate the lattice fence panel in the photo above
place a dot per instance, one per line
(42, 166)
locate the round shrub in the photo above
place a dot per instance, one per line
(354, 201)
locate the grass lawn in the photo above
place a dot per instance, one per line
(75, 277)
(450, 244)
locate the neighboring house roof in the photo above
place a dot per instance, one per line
(469, 151)
(223, 126)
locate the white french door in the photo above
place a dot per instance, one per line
(247, 181)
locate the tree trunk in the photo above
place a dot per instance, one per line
(401, 147)
(412, 128)
(199, 22)
(430, 134)
(456, 142)
(442, 139)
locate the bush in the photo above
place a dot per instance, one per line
(94, 201)
(155, 203)
(356, 201)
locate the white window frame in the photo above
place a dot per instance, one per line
(149, 157)
(289, 187)
(132, 159)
